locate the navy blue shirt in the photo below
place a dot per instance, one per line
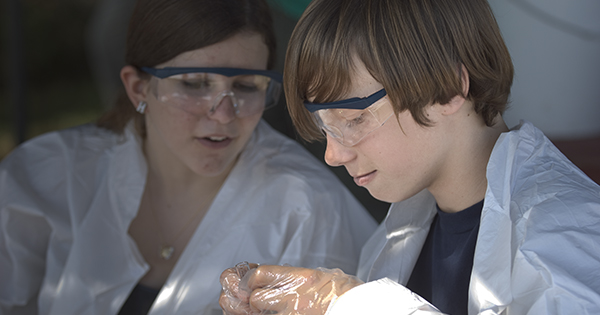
(443, 269)
(140, 301)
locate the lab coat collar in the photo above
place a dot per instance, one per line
(407, 225)
(525, 173)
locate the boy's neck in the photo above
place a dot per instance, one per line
(464, 182)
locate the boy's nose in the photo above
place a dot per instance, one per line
(337, 154)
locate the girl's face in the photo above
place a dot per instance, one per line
(395, 161)
(206, 143)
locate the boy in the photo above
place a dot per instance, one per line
(484, 220)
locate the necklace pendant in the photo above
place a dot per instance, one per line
(166, 252)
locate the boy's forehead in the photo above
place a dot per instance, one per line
(357, 83)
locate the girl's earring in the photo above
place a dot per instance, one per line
(141, 108)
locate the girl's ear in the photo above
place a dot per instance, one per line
(135, 86)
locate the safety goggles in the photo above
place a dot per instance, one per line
(203, 89)
(349, 121)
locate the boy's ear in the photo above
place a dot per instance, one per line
(135, 86)
(464, 80)
(457, 101)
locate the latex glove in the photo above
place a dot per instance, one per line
(291, 290)
(232, 300)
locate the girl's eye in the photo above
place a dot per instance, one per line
(245, 87)
(195, 84)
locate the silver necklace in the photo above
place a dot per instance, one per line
(165, 250)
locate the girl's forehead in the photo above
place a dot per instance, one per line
(243, 50)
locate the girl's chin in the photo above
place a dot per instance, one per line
(214, 168)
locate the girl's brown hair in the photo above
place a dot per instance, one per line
(414, 48)
(160, 30)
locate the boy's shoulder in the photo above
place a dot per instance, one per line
(538, 174)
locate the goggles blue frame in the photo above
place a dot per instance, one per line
(166, 72)
(351, 103)
(273, 89)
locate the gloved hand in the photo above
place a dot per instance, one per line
(232, 300)
(284, 290)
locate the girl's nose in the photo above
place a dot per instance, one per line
(224, 109)
(337, 154)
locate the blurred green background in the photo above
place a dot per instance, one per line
(59, 90)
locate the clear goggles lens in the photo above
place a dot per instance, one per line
(199, 90)
(349, 126)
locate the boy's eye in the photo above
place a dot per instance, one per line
(355, 121)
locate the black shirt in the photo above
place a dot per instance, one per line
(443, 269)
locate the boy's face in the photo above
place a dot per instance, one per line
(397, 160)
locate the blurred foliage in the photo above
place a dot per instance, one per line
(55, 39)
(60, 91)
(293, 8)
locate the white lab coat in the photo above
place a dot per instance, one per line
(537, 251)
(67, 199)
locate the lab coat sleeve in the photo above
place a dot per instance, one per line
(327, 229)
(24, 236)
(382, 296)
(315, 220)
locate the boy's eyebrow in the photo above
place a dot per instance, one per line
(350, 103)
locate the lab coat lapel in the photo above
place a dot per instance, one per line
(490, 285)
(406, 226)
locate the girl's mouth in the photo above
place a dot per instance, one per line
(215, 142)
(216, 139)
